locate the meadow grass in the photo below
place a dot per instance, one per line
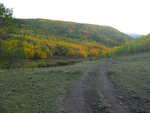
(132, 74)
(36, 90)
(33, 63)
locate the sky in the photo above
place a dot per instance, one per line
(129, 16)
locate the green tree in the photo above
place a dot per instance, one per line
(6, 21)
(5, 15)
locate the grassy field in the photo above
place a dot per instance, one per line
(130, 74)
(34, 63)
(37, 90)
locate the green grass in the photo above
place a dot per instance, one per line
(131, 74)
(33, 63)
(36, 90)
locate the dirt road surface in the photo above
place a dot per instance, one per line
(82, 96)
(108, 91)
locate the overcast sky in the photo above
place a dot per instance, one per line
(126, 15)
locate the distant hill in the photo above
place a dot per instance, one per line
(103, 34)
(147, 36)
(133, 35)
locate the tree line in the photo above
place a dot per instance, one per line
(35, 48)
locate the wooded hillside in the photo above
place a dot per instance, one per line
(103, 34)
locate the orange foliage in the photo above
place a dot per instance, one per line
(33, 47)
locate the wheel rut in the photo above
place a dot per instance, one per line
(82, 96)
(109, 93)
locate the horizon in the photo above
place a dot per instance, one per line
(126, 16)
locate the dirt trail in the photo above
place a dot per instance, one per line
(109, 92)
(82, 96)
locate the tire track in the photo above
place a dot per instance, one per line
(108, 91)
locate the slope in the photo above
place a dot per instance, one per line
(135, 46)
(104, 34)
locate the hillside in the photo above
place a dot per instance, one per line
(135, 46)
(106, 35)
(42, 39)
(134, 35)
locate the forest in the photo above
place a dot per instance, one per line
(36, 48)
(41, 38)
